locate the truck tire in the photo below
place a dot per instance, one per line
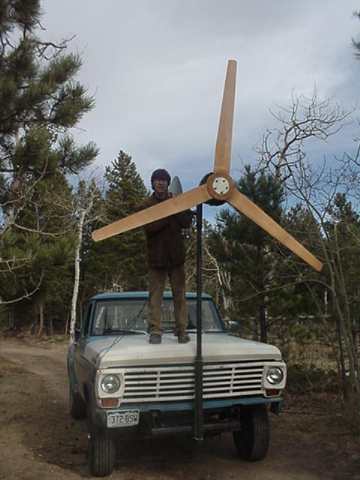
(77, 405)
(252, 440)
(101, 454)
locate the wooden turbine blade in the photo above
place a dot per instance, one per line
(148, 215)
(224, 136)
(257, 215)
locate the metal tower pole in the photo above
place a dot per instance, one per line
(199, 420)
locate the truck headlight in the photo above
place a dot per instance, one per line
(110, 383)
(274, 375)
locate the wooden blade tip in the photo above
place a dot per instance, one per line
(94, 237)
(319, 266)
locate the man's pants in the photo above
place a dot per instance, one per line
(157, 278)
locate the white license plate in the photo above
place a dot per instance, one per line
(126, 418)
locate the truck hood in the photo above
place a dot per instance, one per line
(135, 350)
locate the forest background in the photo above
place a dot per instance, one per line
(50, 202)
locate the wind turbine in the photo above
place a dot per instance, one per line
(217, 187)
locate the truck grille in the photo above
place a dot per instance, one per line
(169, 383)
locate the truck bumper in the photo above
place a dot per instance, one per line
(178, 417)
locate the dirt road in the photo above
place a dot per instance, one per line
(38, 440)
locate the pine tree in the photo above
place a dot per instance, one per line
(43, 246)
(245, 251)
(126, 187)
(120, 260)
(40, 102)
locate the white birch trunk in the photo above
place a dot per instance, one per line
(224, 279)
(41, 319)
(225, 284)
(76, 276)
(84, 212)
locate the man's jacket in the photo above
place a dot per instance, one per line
(165, 244)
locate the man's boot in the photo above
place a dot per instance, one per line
(183, 337)
(155, 338)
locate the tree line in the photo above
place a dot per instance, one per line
(49, 265)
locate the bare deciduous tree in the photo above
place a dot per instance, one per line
(317, 187)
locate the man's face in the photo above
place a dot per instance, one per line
(160, 187)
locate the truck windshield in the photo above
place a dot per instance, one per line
(127, 315)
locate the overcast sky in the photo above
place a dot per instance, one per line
(156, 69)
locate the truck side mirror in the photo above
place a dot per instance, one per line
(77, 334)
(232, 326)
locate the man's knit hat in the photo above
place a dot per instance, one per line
(160, 174)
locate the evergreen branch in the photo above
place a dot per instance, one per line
(12, 264)
(42, 47)
(38, 231)
(279, 288)
(25, 198)
(27, 295)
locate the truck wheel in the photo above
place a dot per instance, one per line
(101, 454)
(252, 441)
(77, 405)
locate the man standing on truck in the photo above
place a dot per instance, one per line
(166, 258)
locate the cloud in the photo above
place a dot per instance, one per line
(157, 70)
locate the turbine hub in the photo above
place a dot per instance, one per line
(219, 186)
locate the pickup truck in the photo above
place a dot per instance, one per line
(123, 385)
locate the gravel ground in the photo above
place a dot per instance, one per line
(39, 440)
